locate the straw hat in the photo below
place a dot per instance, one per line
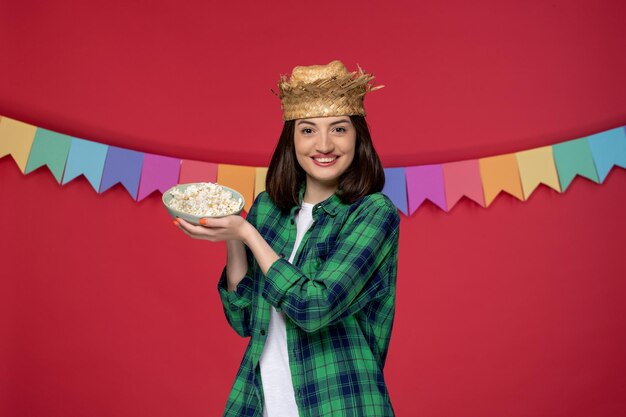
(324, 90)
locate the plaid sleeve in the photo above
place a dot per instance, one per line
(350, 276)
(237, 303)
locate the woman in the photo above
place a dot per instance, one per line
(310, 274)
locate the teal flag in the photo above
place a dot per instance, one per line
(51, 149)
(573, 158)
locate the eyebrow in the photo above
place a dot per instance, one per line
(333, 123)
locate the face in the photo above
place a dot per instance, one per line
(325, 148)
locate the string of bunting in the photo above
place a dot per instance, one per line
(480, 180)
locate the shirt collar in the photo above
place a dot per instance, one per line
(331, 205)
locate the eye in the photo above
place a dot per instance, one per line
(307, 131)
(340, 129)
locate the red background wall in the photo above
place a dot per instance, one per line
(513, 310)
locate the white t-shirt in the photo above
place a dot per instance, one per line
(280, 400)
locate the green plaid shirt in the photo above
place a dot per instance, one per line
(339, 302)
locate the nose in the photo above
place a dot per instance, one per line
(325, 143)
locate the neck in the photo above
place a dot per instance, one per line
(316, 192)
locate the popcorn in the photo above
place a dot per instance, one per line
(204, 200)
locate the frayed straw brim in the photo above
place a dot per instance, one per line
(337, 95)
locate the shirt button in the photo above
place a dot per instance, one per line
(292, 221)
(282, 255)
(262, 332)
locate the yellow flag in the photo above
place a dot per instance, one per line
(16, 139)
(536, 166)
(500, 173)
(240, 178)
(259, 181)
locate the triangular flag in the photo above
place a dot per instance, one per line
(239, 178)
(197, 171)
(536, 166)
(157, 173)
(86, 158)
(122, 166)
(259, 180)
(395, 188)
(16, 139)
(425, 182)
(51, 149)
(573, 158)
(500, 173)
(462, 178)
(608, 148)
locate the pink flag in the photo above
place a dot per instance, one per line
(425, 182)
(462, 178)
(197, 171)
(158, 173)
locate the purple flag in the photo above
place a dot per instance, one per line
(158, 173)
(395, 188)
(425, 182)
(123, 166)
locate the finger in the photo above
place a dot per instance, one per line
(179, 226)
(181, 221)
(196, 231)
(191, 234)
(188, 226)
(213, 222)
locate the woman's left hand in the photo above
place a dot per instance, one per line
(215, 230)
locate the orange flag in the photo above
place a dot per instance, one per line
(240, 178)
(500, 173)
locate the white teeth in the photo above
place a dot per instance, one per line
(324, 160)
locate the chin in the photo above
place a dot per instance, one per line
(330, 177)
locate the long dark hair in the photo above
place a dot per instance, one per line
(285, 175)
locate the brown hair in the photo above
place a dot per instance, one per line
(285, 175)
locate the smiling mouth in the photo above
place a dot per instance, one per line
(326, 160)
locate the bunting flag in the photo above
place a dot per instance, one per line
(500, 173)
(425, 182)
(462, 178)
(85, 158)
(122, 166)
(574, 158)
(16, 139)
(239, 178)
(395, 188)
(479, 180)
(197, 171)
(157, 173)
(259, 180)
(536, 166)
(51, 149)
(608, 148)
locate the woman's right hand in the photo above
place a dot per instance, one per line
(232, 227)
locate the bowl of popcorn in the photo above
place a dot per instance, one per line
(198, 200)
